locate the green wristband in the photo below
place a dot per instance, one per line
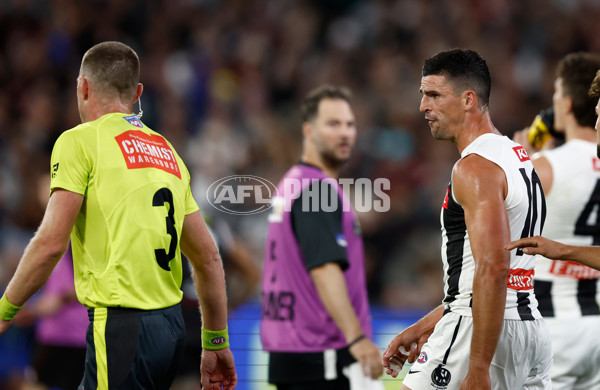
(7, 309)
(213, 340)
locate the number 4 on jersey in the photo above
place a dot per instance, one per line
(584, 226)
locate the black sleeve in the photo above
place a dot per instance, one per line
(319, 232)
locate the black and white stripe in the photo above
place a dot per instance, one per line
(453, 221)
(567, 290)
(526, 211)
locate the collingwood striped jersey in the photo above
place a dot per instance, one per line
(566, 289)
(526, 209)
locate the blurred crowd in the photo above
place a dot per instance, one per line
(223, 81)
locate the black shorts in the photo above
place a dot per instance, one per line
(306, 371)
(133, 349)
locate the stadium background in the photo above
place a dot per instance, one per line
(223, 81)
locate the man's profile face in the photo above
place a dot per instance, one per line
(442, 107)
(334, 132)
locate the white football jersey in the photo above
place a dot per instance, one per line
(566, 289)
(525, 206)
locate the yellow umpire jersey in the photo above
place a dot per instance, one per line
(136, 194)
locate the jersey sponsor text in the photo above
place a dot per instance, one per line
(520, 279)
(521, 153)
(573, 270)
(142, 150)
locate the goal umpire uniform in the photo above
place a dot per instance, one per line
(303, 341)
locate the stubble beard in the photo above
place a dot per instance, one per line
(438, 132)
(331, 160)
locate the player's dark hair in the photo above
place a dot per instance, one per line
(577, 71)
(595, 88)
(464, 69)
(112, 66)
(310, 105)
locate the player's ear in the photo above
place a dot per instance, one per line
(469, 99)
(568, 104)
(138, 92)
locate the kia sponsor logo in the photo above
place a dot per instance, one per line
(521, 153)
(241, 194)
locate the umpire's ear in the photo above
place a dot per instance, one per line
(138, 92)
(83, 87)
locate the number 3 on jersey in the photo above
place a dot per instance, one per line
(162, 196)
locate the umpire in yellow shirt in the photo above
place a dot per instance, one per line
(122, 193)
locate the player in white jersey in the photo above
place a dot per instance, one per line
(488, 332)
(570, 174)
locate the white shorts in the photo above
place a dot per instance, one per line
(522, 360)
(576, 352)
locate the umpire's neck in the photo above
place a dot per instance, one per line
(93, 103)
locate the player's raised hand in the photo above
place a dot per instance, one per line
(537, 245)
(369, 357)
(217, 370)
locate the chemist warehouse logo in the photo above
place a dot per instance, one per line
(143, 150)
(243, 195)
